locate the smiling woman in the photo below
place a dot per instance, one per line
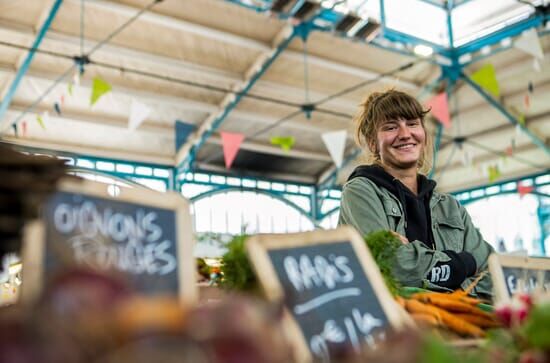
(392, 193)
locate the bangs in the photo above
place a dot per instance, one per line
(398, 105)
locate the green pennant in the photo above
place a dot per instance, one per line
(485, 78)
(285, 142)
(70, 89)
(99, 88)
(494, 173)
(41, 122)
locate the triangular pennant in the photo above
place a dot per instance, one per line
(524, 189)
(530, 87)
(57, 108)
(24, 128)
(485, 78)
(494, 173)
(285, 142)
(183, 130)
(440, 108)
(62, 100)
(99, 88)
(520, 116)
(70, 89)
(527, 101)
(15, 131)
(231, 143)
(41, 121)
(138, 113)
(335, 141)
(509, 151)
(536, 65)
(530, 44)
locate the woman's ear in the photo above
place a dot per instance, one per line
(373, 147)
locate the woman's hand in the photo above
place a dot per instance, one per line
(403, 239)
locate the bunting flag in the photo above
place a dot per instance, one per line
(70, 89)
(520, 116)
(509, 151)
(335, 141)
(485, 78)
(527, 101)
(99, 88)
(138, 113)
(57, 108)
(183, 130)
(285, 142)
(494, 173)
(524, 189)
(536, 65)
(24, 128)
(231, 143)
(41, 121)
(440, 109)
(530, 87)
(15, 131)
(62, 100)
(529, 43)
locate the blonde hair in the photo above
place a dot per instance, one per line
(380, 107)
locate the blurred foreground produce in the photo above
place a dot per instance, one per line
(25, 181)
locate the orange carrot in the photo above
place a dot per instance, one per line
(400, 301)
(451, 304)
(478, 320)
(456, 324)
(425, 319)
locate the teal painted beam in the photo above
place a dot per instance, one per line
(540, 143)
(27, 62)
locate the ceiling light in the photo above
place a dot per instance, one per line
(423, 50)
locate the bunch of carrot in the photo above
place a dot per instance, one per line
(456, 311)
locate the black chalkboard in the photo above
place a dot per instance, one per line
(518, 274)
(144, 235)
(330, 286)
(525, 280)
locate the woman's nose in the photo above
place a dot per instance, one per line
(404, 132)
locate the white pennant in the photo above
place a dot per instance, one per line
(529, 43)
(335, 141)
(138, 113)
(536, 65)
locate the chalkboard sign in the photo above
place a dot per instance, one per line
(518, 274)
(333, 292)
(140, 233)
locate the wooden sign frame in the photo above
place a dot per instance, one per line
(498, 261)
(258, 247)
(34, 243)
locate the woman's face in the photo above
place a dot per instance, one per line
(401, 143)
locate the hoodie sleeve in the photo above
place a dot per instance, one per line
(362, 208)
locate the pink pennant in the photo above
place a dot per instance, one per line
(62, 100)
(509, 150)
(24, 128)
(526, 101)
(524, 189)
(231, 143)
(440, 108)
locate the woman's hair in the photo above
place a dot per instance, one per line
(380, 107)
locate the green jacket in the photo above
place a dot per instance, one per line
(370, 208)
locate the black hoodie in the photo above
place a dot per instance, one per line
(417, 215)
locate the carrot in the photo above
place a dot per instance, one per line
(456, 324)
(416, 307)
(480, 321)
(425, 319)
(400, 301)
(451, 304)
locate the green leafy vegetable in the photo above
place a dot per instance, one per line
(236, 269)
(536, 327)
(383, 246)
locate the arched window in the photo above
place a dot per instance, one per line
(236, 212)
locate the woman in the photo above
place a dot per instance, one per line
(441, 247)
